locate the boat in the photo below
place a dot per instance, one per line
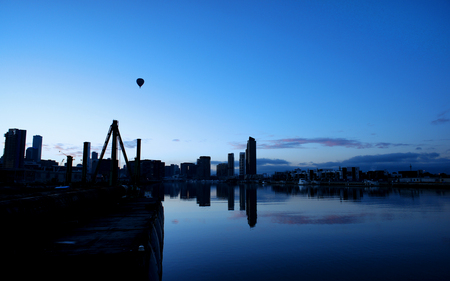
(369, 182)
(302, 182)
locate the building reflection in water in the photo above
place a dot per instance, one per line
(202, 193)
(345, 193)
(248, 194)
(230, 198)
(247, 202)
(251, 205)
(241, 197)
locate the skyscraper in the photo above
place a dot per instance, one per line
(250, 157)
(241, 165)
(188, 170)
(29, 154)
(222, 170)
(94, 161)
(14, 153)
(230, 164)
(37, 148)
(204, 167)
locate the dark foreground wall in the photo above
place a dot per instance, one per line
(93, 234)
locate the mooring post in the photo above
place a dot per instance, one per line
(137, 166)
(85, 162)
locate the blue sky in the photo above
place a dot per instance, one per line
(318, 84)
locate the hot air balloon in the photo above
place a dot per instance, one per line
(140, 82)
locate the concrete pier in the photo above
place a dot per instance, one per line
(122, 239)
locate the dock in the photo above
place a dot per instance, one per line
(120, 237)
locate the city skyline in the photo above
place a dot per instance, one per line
(231, 167)
(318, 84)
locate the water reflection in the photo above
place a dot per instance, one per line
(248, 198)
(251, 205)
(204, 195)
(309, 233)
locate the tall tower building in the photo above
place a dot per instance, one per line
(94, 161)
(189, 170)
(88, 154)
(204, 167)
(14, 153)
(37, 148)
(222, 170)
(242, 164)
(250, 157)
(230, 164)
(29, 154)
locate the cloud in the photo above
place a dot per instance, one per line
(269, 166)
(266, 161)
(239, 146)
(289, 218)
(74, 151)
(393, 162)
(441, 118)
(130, 144)
(388, 144)
(440, 121)
(329, 142)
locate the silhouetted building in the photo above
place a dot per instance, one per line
(411, 174)
(172, 170)
(351, 173)
(29, 154)
(48, 163)
(241, 165)
(14, 153)
(94, 161)
(250, 157)
(37, 148)
(188, 170)
(151, 170)
(230, 164)
(88, 161)
(104, 171)
(204, 168)
(222, 170)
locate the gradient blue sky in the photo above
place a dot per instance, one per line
(316, 83)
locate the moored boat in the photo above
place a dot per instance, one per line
(302, 182)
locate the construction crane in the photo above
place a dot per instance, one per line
(69, 167)
(73, 158)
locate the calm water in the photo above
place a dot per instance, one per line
(253, 232)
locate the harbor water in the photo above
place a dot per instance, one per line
(269, 232)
